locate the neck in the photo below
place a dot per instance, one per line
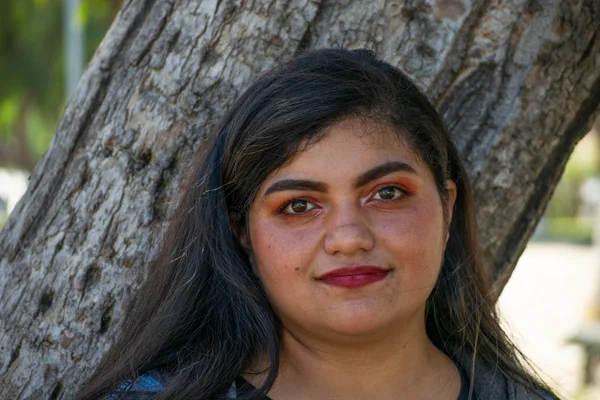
(388, 365)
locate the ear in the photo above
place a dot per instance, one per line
(451, 191)
(238, 227)
(240, 231)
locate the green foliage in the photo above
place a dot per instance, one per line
(584, 163)
(32, 69)
(31, 42)
(568, 229)
(8, 114)
(566, 218)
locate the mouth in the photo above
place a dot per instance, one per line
(354, 277)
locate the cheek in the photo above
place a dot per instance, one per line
(283, 258)
(414, 240)
(280, 252)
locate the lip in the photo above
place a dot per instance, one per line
(354, 277)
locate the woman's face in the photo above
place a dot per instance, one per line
(348, 237)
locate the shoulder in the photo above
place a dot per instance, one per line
(143, 387)
(491, 383)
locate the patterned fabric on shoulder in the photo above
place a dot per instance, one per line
(148, 385)
(144, 387)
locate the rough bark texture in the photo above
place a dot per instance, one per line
(517, 81)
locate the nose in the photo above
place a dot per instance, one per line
(348, 233)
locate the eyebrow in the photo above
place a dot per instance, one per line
(383, 170)
(296, 184)
(362, 180)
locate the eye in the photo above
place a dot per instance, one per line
(389, 193)
(297, 206)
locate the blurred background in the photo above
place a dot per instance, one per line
(44, 45)
(551, 305)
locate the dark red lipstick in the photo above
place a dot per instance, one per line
(354, 277)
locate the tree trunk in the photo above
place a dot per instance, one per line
(517, 81)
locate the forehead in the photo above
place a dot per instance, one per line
(353, 143)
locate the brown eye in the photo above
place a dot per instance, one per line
(297, 206)
(388, 193)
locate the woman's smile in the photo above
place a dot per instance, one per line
(354, 277)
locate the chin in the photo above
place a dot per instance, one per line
(358, 321)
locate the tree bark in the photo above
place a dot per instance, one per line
(517, 81)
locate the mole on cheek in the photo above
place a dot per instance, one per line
(297, 269)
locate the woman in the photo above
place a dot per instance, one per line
(326, 248)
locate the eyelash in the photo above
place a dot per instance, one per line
(403, 193)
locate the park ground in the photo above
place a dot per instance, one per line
(550, 295)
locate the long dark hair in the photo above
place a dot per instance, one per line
(202, 318)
